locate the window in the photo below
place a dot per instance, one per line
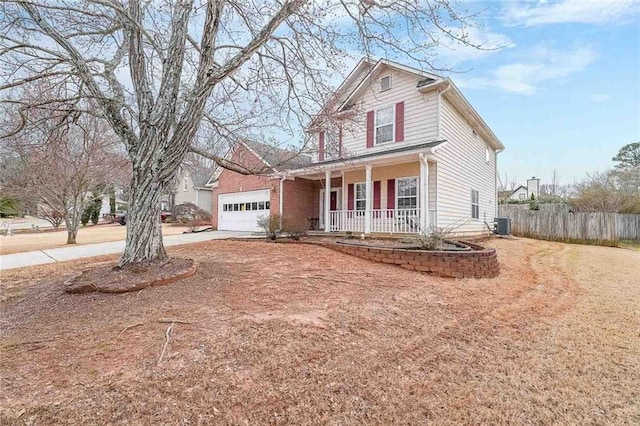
(267, 205)
(384, 125)
(385, 83)
(254, 205)
(331, 144)
(185, 184)
(475, 204)
(522, 196)
(236, 207)
(407, 193)
(361, 196)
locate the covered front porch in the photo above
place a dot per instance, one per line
(389, 195)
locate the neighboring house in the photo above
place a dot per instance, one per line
(191, 188)
(398, 150)
(522, 193)
(518, 194)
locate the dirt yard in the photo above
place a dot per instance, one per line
(19, 243)
(295, 334)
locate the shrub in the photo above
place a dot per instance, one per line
(271, 225)
(190, 215)
(295, 230)
(8, 207)
(432, 238)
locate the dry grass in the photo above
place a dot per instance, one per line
(295, 334)
(22, 242)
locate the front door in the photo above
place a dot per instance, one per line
(333, 206)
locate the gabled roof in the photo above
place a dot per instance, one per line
(274, 158)
(381, 63)
(517, 189)
(353, 87)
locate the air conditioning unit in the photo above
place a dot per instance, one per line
(502, 225)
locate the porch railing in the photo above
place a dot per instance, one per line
(382, 220)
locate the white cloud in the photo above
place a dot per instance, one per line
(570, 11)
(545, 65)
(489, 42)
(600, 97)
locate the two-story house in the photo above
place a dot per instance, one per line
(398, 150)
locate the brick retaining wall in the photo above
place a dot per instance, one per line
(481, 262)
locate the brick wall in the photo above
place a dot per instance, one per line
(479, 263)
(301, 202)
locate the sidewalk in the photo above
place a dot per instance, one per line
(62, 254)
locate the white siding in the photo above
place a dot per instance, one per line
(205, 199)
(420, 113)
(182, 196)
(462, 166)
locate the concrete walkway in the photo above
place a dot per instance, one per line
(62, 254)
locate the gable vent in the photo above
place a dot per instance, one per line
(385, 83)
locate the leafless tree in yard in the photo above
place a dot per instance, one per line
(59, 161)
(158, 70)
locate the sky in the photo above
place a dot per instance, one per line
(560, 89)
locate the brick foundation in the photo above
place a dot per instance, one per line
(481, 262)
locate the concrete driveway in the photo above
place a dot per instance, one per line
(62, 254)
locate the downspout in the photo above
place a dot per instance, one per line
(438, 124)
(281, 199)
(433, 150)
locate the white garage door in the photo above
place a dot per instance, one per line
(240, 211)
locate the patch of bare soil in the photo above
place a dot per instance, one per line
(111, 279)
(299, 334)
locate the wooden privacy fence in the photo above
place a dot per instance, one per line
(559, 224)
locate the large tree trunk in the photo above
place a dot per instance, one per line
(144, 227)
(71, 236)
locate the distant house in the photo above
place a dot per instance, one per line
(191, 187)
(518, 194)
(521, 193)
(398, 150)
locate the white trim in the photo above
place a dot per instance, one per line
(369, 198)
(321, 203)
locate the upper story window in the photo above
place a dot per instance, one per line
(384, 125)
(385, 83)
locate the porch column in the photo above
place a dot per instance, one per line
(368, 187)
(327, 200)
(423, 197)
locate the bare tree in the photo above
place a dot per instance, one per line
(610, 191)
(60, 161)
(159, 70)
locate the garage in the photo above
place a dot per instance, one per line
(239, 211)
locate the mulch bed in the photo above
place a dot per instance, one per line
(111, 279)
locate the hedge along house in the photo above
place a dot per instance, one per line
(397, 150)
